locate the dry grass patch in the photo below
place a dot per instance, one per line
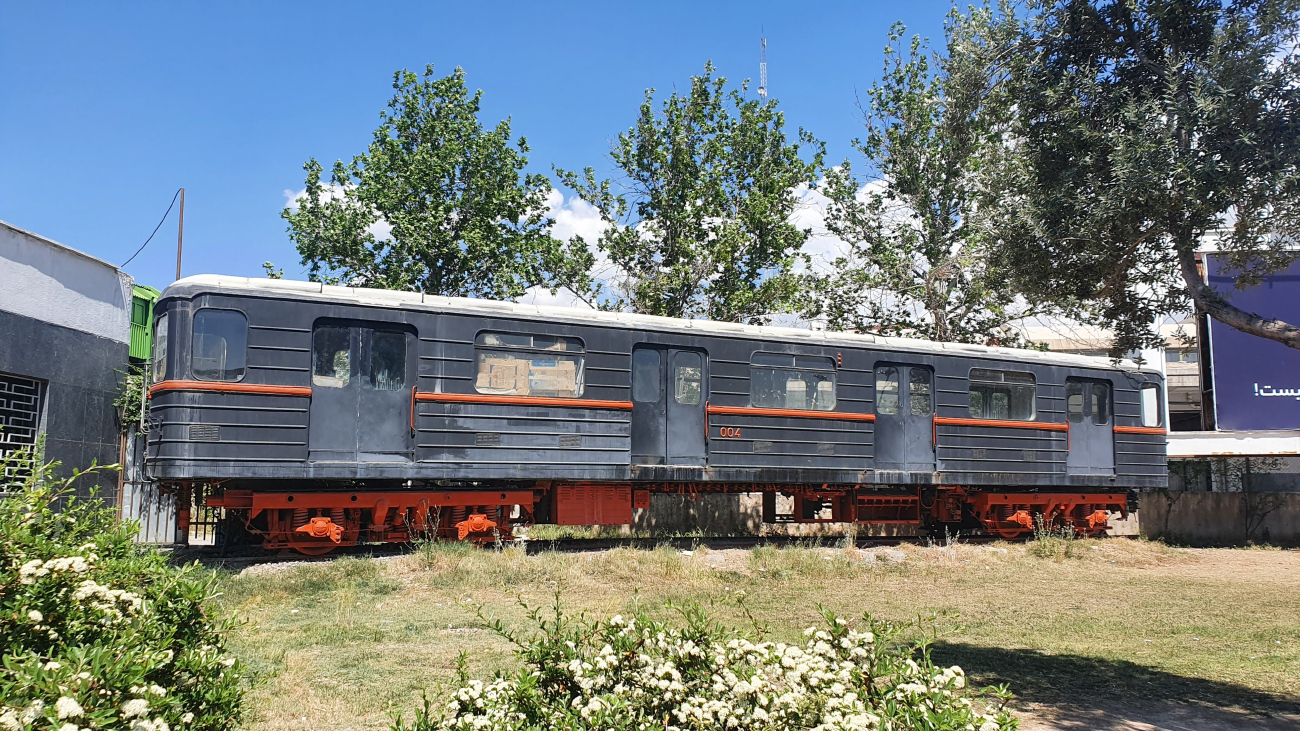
(1113, 619)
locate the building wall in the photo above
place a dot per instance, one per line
(1221, 518)
(65, 320)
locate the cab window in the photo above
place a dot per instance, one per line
(219, 345)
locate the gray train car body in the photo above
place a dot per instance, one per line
(274, 385)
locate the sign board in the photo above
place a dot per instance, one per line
(1256, 380)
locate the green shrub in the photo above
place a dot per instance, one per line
(638, 674)
(97, 632)
(1052, 542)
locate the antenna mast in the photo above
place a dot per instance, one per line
(762, 66)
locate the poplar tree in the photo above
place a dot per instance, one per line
(698, 221)
(437, 204)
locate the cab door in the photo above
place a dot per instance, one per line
(904, 432)
(668, 397)
(1092, 436)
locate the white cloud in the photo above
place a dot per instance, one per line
(573, 216)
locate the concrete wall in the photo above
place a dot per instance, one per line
(1221, 518)
(65, 319)
(47, 281)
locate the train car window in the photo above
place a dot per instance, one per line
(687, 372)
(887, 390)
(219, 347)
(1100, 403)
(331, 357)
(1074, 401)
(645, 375)
(1151, 412)
(1002, 395)
(514, 364)
(387, 360)
(783, 381)
(918, 392)
(160, 350)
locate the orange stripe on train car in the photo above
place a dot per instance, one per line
(220, 387)
(475, 398)
(1141, 430)
(965, 421)
(796, 413)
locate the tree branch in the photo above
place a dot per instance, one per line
(1220, 309)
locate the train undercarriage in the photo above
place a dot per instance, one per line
(315, 522)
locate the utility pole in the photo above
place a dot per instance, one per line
(180, 235)
(762, 75)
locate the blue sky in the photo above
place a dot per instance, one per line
(107, 108)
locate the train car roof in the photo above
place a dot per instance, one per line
(220, 283)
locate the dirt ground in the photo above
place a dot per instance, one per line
(1114, 634)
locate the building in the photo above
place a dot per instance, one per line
(65, 333)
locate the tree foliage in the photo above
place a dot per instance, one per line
(437, 204)
(699, 223)
(1146, 125)
(919, 235)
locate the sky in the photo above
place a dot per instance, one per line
(107, 108)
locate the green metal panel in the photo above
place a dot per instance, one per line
(142, 302)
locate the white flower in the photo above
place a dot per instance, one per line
(187, 718)
(31, 712)
(35, 616)
(135, 707)
(52, 665)
(10, 721)
(158, 690)
(67, 707)
(68, 727)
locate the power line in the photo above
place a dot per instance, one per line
(155, 230)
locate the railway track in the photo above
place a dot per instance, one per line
(215, 558)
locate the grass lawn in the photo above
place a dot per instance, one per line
(1115, 624)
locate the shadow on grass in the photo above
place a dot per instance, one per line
(1087, 684)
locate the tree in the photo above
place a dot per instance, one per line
(438, 204)
(919, 234)
(699, 225)
(1146, 125)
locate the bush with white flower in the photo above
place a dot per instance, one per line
(97, 632)
(638, 674)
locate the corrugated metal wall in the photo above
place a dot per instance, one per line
(141, 500)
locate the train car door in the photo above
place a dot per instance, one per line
(1092, 438)
(360, 405)
(904, 433)
(668, 395)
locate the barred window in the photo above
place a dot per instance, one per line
(782, 381)
(1002, 395)
(514, 364)
(219, 345)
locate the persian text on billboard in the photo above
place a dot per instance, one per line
(1256, 380)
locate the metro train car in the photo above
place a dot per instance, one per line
(327, 416)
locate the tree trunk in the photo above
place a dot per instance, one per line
(1220, 309)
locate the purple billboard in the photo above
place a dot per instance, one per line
(1256, 381)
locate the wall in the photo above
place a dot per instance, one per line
(1221, 518)
(65, 319)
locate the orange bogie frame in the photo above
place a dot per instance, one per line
(315, 523)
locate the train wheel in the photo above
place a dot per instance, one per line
(1010, 534)
(311, 548)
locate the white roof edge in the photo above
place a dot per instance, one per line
(1281, 442)
(394, 298)
(65, 247)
